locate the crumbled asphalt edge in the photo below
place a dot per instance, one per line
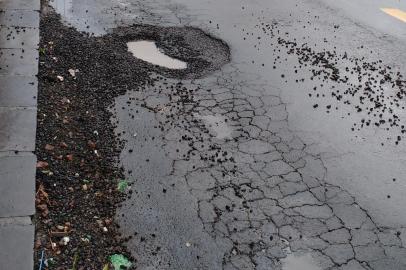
(75, 136)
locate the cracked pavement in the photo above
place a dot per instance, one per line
(236, 168)
(256, 194)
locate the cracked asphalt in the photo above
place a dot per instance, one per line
(261, 155)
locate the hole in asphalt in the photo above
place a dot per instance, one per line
(149, 52)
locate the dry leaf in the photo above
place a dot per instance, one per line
(42, 164)
(49, 147)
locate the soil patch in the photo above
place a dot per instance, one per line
(78, 175)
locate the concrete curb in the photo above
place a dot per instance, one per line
(19, 39)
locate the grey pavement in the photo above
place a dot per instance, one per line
(302, 191)
(19, 39)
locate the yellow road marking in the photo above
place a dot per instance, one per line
(397, 13)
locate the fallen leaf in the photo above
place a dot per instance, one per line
(64, 145)
(42, 194)
(44, 209)
(122, 186)
(42, 164)
(119, 262)
(38, 243)
(49, 147)
(91, 144)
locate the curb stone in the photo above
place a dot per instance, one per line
(19, 38)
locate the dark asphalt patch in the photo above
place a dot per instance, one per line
(77, 150)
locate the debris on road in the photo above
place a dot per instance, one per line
(49, 147)
(119, 262)
(82, 184)
(75, 118)
(122, 186)
(42, 164)
(65, 240)
(73, 72)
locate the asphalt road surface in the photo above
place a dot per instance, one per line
(288, 155)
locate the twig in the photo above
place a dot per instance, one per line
(75, 261)
(42, 260)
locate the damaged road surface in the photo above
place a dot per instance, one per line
(261, 135)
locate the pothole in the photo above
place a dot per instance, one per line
(149, 52)
(181, 52)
